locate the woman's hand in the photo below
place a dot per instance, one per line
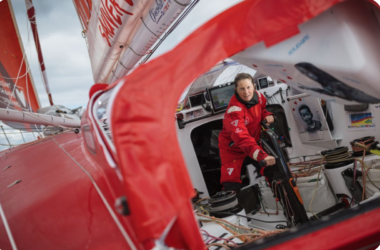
(270, 160)
(269, 119)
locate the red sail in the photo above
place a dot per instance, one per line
(83, 8)
(16, 86)
(151, 162)
(121, 32)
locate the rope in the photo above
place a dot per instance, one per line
(364, 189)
(218, 244)
(217, 238)
(200, 200)
(336, 155)
(365, 175)
(212, 218)
(19, 71)
(367, 141)
(250, 235)
(316, 187)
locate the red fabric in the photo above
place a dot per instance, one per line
(156, 180)
(12, 66)
(241, 126)
(360, 232)
(83, 8)
(97, 87)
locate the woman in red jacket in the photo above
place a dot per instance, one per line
(238, 140)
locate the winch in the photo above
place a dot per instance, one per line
(224, 202)
(337, 157)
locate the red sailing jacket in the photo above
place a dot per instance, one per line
(239, 136)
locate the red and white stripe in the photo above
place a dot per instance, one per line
(32, 19)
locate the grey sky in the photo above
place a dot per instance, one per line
(64, 50)
(66, 57)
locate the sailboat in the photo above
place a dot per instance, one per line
(134, 171)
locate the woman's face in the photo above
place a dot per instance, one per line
(245, 89)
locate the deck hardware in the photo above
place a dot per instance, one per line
(7, 167)
(121, 206)
(14, 183)
(279, 226)
(282, 98)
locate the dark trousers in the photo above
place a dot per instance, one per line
(236, 186)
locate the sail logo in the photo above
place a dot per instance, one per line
(159, 10)
(110, 18)
(299, 44)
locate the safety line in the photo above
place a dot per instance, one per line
(7, 229)
(112, 213)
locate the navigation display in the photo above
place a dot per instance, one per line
(263, 82)
(221, 95)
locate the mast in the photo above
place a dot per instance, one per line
(121, 33)
(32, 19)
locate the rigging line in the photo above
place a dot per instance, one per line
(38, 49)
(7, 229)
(28, 68)
(30, 50)
(43, 80)
(10, 78)
(27, 93)
(27, 45)
(15, 86)
(110, 210)
(18, 74)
